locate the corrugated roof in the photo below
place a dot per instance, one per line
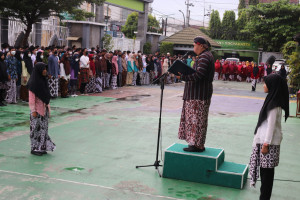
(187, 35)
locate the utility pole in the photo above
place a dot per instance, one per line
(188, 4)
(183, 19)
(166, 23)
(106, 18)
(204, 13)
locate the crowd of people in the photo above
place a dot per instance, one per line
(244, 71)
(78, 69)
(93, 70)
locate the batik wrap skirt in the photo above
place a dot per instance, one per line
(40, 140)
(12, 91)
(64, 87)
(257, 160)
(98, 85)
(53, 86)
(84, 75)
(193, 122)
(91, 86)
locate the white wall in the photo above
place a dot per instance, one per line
(125, 44)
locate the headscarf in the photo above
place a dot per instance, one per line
(92, 63)
(115, 62)
(282, 72)
(28, 62)
(66, 62)
(269, 70)
(278, 96)
(38, 83)
(38, 56)
(3, 69)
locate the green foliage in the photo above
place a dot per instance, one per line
(292, 56)
(242, 4)
(166, 47)
(229, 26)
(147, 48)
(132, 22)
(241, 23)
(294, 64)
(215, 29)
(131, 25)
(107, 42)
(153, 25)
(253, 2)
(273, 24)
(31, 11)
(288, 48)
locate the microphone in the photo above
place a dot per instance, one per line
(186, 54)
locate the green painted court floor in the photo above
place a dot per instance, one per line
(101, 138)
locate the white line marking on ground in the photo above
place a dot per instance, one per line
(87, 184)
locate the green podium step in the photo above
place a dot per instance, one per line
(206, 167)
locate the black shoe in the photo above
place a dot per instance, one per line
(44, 152)
(193, 149)
(1, 104)
(37, 153)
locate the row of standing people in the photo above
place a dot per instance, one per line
(70, 70)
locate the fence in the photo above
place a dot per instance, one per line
(42, 33)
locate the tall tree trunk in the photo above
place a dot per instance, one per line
(26, 36)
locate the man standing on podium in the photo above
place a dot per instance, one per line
(196, 98)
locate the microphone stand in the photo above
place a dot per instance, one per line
(156, 162)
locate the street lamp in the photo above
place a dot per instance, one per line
(183, 18)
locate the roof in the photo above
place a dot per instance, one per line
(187, 35)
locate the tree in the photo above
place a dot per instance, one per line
(215, 25)
(292, 55)
(273, 24)
(107, 42)
(132, 22)
(242, 4)
(241, 23)
(147, 48)
(229, 26)
(253, 2)
(166, 47)
(153, 24)
(31, 11)
(130, 25)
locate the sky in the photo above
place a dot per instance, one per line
(170, 8)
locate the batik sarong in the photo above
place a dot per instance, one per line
(253, 83)
(257, 160)
(91, 86)
(84, 75)
(40, 140)
(64, 87)
(53, 86)
(193, 122)
(106, 79)
(134, 78)
(98, 85)
(114, 82)
(11, 96)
